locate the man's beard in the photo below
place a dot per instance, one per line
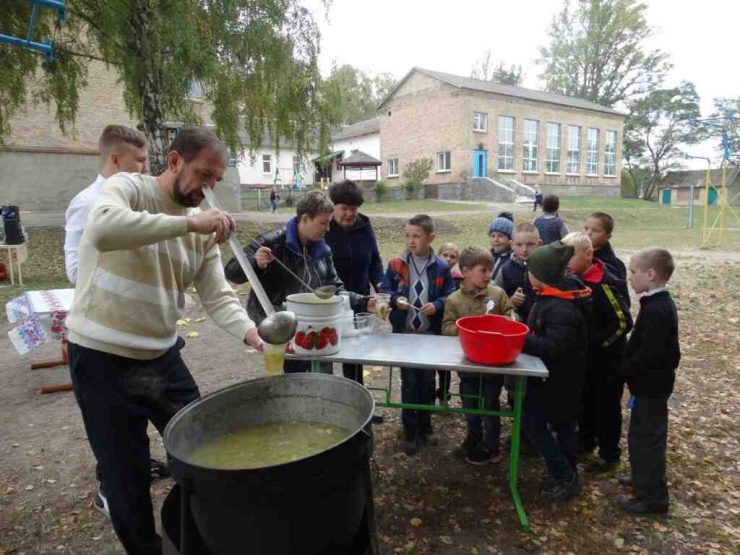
(188, 201)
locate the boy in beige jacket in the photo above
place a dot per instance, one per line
(477, 296)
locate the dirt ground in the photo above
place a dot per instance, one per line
(433, 502)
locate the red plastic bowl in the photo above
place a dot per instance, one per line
(491, 339)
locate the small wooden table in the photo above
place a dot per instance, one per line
(16, 255)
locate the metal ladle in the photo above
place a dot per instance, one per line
(277, 327)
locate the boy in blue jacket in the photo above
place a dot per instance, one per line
(419, 279)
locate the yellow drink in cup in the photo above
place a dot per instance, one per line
(274, 358)
(382, 305)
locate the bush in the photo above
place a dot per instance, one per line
(380, 191)
(417, 171)
(410, 188)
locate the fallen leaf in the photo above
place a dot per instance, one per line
(192, 334)
(415, 521)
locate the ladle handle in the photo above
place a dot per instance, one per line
(242, 259)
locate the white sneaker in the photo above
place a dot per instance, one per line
(100, 502)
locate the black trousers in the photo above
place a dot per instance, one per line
(647, 439)
(443, 391)
(417, 387)
(600, 419)
(556, 439)
(482, 429)
(353, 372)
(118, 396)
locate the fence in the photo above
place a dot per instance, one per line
(259, 199)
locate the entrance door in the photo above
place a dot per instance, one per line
(666, 196)
(480, 163)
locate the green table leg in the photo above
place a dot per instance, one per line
(516, 431)
(315, 366)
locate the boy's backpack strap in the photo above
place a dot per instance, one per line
(616, 305)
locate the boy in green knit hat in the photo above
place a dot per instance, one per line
(559, 336)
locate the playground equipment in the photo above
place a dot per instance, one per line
(714, 225)
(46, 47)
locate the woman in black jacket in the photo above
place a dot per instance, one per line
(301, 247)
(354, 249)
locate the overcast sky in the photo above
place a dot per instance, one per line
(395, 35)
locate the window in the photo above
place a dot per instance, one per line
(552, 164)
(480, 121)
(610, 153)
(297, 165)
(506, 143)
(592, 154)
(574, 149)
(443, 161)
(393, 167)
(266, 163)
(529, 153)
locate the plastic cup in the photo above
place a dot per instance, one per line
(382, 305)
(274, 357)
(362, 322)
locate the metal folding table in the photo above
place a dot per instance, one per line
(440, 353)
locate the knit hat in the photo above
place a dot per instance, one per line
(548, 263)
(502, 224)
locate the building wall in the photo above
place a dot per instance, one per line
(428, 116)
(424, 117)
(251, 169)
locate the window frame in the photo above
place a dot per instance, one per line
(267, 158)
(509, 152)
(530, 150)
(610, 155)
(550, 161)
(391, 162)
(571, 150)
(592, 156)
(484, 118)
(446, 156)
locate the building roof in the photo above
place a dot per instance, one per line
(359, 159)
(367, 127)
(329, 157)
(678, 179)
(468, 83)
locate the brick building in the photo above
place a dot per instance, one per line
(499, 136)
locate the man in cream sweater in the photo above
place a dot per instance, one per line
(144, 244)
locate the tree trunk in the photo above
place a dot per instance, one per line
(144, 43)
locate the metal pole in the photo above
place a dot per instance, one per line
(722, 201)
(704, 232)
(691, 206)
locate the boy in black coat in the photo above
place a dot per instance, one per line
(599, 226)
(600, 419)
(513, 277)
(649, 368)
(559, 336)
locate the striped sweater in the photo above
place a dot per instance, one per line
(136, 260)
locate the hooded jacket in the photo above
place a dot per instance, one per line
(312, 262)
(559, 336)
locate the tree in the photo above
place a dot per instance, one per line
(597, 52)
(485, 70)
(657, 125)
(727, 116)
(359, 92)
(416, 173)
(256, 61)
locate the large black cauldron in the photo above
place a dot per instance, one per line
(313, 505)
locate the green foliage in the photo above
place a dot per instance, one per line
(359, 93)
(597, 52)
(486, 70)
(727, 111)
(256, 61)
(656, 126)
(381, 188)
(410, 188)
(417, 171)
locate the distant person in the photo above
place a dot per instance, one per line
(122, 149)
(650, 363)
(550, 226)
(274, 197)
(537, 197)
